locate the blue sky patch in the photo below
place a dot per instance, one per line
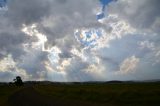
(104, 3)
(3, 3)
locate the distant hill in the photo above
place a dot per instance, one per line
(88, 82)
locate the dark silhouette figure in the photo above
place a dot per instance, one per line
(18, 81)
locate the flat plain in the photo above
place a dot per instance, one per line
(81, 94)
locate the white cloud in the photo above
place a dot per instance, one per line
(40, 37)
(8, 65)
(129, 65)
(147, 44)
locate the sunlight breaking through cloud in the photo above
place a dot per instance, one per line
(8, 65)
(129, 65)
(90, 38)
(77, 40)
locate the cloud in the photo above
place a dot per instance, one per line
(129, 65)
(140, 14)
(27, 12)
(40, 37)
(11, 43)
(9, 69)
(146, 44)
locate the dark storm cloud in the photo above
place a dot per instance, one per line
(11, 43)
(27, 11)
(61, 1)
(66, 17)
(141, 14)
(33, 63)
(12, 39)
(58, 19)
(65, 54)
(63, 17)
(19, 12)
(76, 71)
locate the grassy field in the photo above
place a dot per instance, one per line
(131, 94)
(5, 92)
(142, 94)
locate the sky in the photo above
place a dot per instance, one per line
(79, 40)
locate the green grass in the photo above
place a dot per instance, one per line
(5, 92)
(141, 94)
(135, 94)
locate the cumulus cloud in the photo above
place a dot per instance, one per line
(129, 65)
(40, 37)
(140, 14)
(27, 12)
(9, 69)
